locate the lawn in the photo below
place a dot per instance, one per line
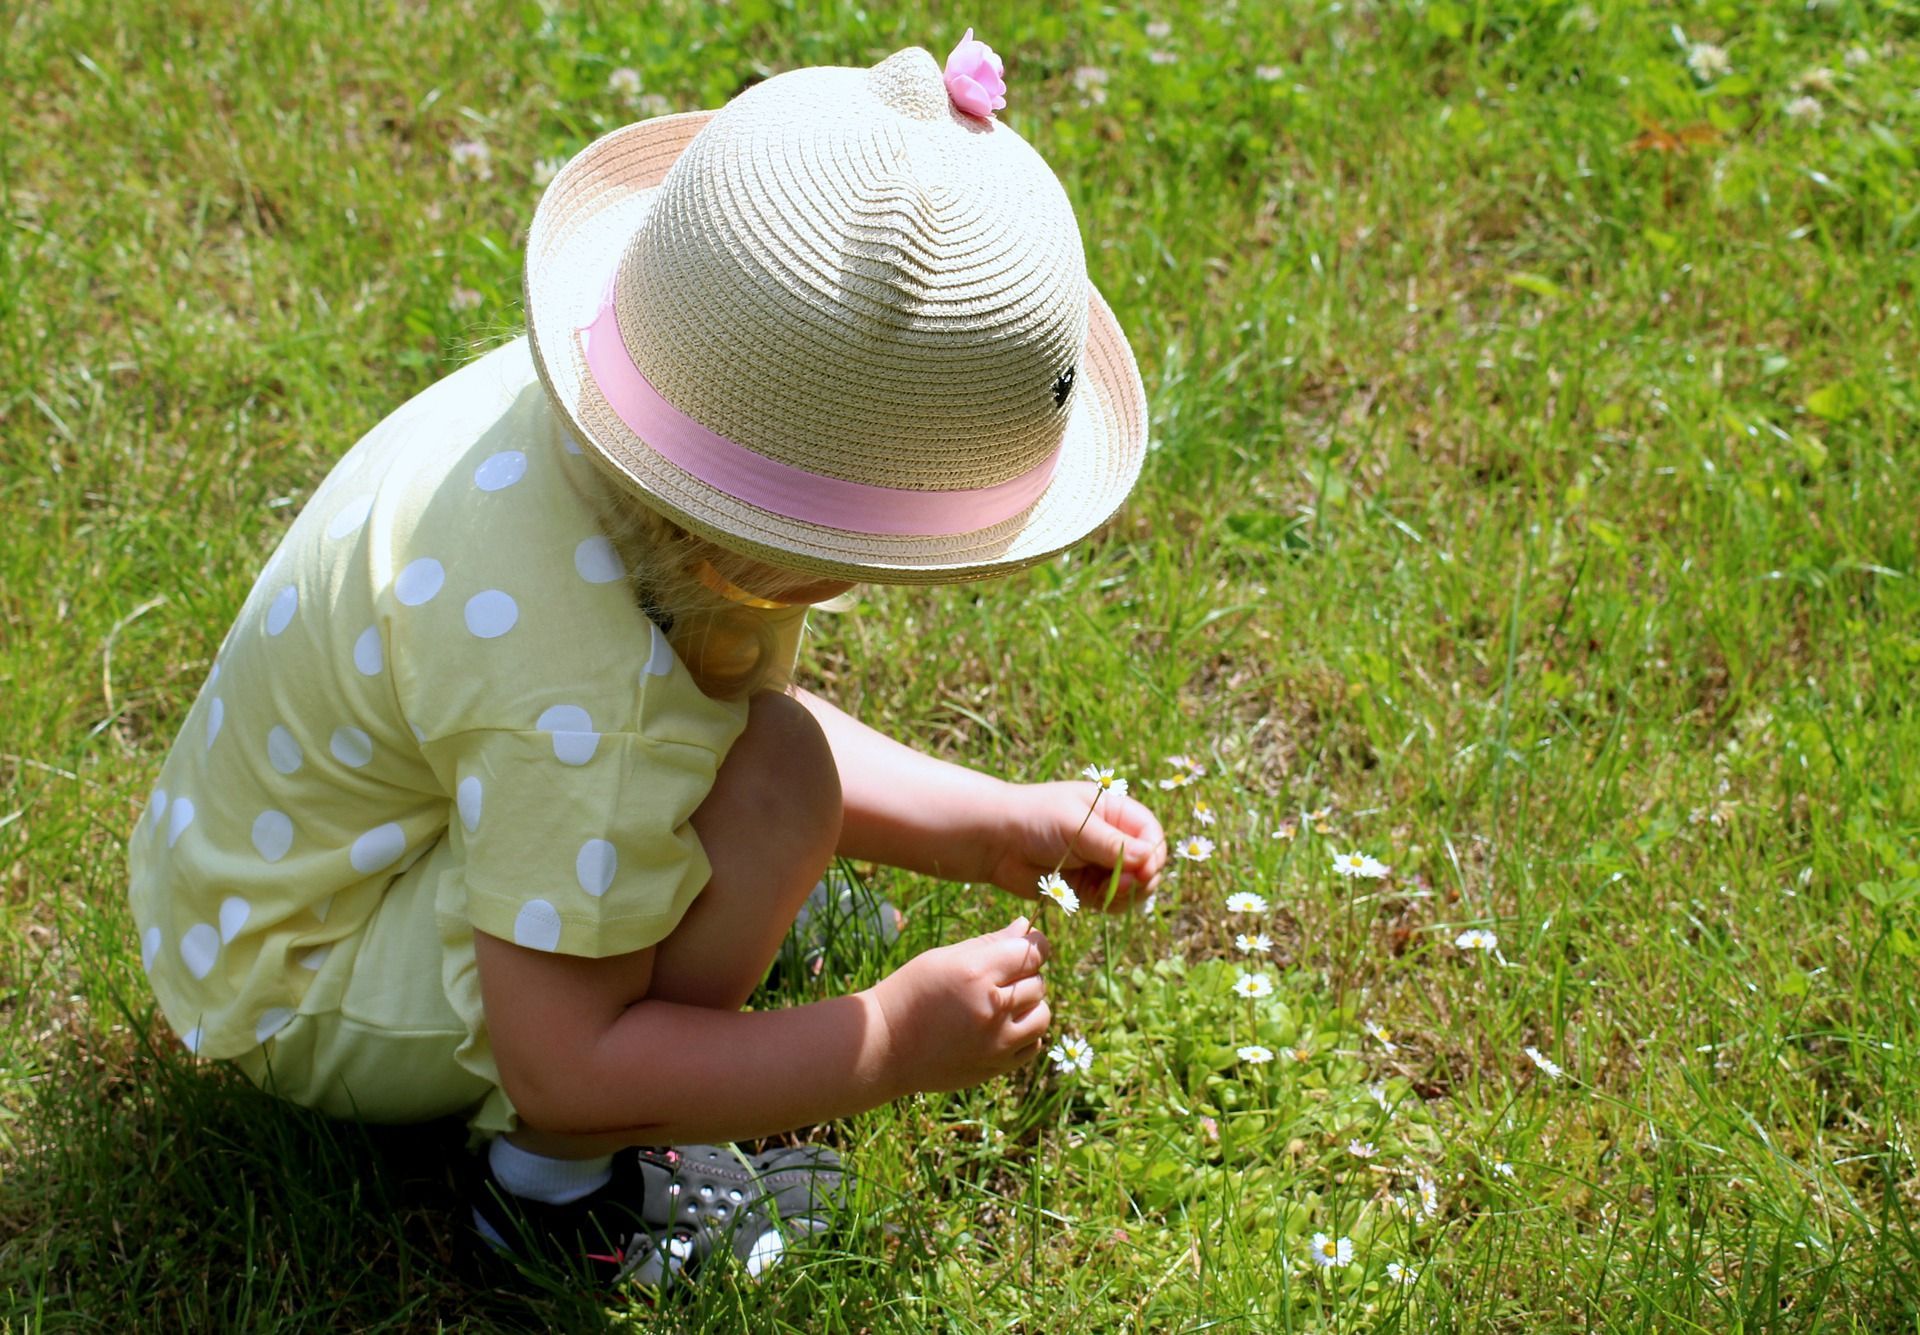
(1534, 508)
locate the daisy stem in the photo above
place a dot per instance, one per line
(1098, 792)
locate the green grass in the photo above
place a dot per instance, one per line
(1542, 502)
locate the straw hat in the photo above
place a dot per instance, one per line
(838, 325)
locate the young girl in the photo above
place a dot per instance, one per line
(493, 802)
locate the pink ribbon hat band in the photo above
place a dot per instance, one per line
(782, 489)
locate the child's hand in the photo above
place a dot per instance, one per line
(1041, 821)
(962, 1014)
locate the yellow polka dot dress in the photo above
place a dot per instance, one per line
(443, 656)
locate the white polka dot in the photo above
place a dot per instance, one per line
(159, 807)
(574, 739)
(149, 947)
(178, 819)
(597, 562)
(594, 866)
(283, 753)
(216, 715)
(199, 948)
(234, 912)
(349, 517)
(468, 796)
(272, 1020)
(660, 659)
(377, 848)
(192, 1040)
(272, 834)
(368, 656)
(501, 471)
(351, 747)
(280, 613)
(491, 614)
(419, 582)
(537, 925)
(314, 958)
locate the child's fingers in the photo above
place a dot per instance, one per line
(1021, 957)
(1030, 1027)
(1017, 998)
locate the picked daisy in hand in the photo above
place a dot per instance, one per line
(1104, 777)
(1477, 938)
(1359, 864)
(1070, 1054)
(1378, 1033)
(1253, 945)
(1252, 985)
(1329, 1252)
(1254, 1053)
(1055, 887)
(1545, 1063)
(1244, 901)
(1194, 848)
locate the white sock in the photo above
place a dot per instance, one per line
(538, 1178)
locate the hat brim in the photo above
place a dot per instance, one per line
(581, 229)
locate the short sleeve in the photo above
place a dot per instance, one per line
(576, 841)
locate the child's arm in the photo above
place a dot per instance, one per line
(906, 809)
(583, 1051)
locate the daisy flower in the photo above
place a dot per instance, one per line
(1195, 848)
(1300, 1052)
(1287, 830)
(1400, 1274)
(1805, 108)
(1256, 1054)
(1707, 61)
(1104, 777)
(1378, 1033)
(1071, 1053)
(1361, 1149)
(545, 169)
(1251, 985)
(1055, 887)
(1203, 812)
(1477, 938)
(1245, 901)
(1254, 945)
(1502, 1167)
(1193, 768)
(473, 157)
(1429, 1198)
(1378, 1093)
(624, 82)
(1359, 864)
(1545, 1063)
(1173, 781)
(1329, 1252)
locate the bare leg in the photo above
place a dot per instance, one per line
(769, 827)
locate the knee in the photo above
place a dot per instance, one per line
(780, 775)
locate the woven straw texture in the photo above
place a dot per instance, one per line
(842, 273)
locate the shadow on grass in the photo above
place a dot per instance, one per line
(149, 1191)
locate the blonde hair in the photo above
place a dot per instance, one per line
(731, 649)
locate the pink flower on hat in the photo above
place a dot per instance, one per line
(973, 78)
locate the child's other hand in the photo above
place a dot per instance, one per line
(962, 1014)
(1042, 819)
